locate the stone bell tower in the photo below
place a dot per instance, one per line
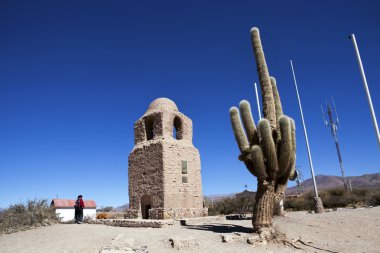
(164, 167)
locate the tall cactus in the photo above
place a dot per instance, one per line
(268, 151)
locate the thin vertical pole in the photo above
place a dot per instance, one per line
(258, 102)
(352, 37)
(305, 133)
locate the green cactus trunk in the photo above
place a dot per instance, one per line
(263, 208)
(268, 150)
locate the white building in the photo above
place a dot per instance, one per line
(64, 208)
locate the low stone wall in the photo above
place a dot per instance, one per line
(177, 213)
(168, 213)
(134, 223)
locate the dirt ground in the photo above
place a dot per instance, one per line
(346, 230)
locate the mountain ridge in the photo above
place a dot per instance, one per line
(327, 182)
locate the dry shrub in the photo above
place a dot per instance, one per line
(373, 198)
(115, 215)
(297, 204)
(241, 205)
(102, 216)
(110, 215)
(33, 213)
(105, 209)
(87, 219)
(336, 197)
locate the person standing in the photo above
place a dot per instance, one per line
(79, 205)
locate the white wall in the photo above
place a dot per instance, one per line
(91, 213)
(68, 214)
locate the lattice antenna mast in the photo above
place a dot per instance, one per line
(332, 123)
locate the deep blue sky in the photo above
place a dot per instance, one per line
(76, 75)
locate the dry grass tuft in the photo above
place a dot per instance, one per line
(20, 217)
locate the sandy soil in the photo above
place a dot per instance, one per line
(355, 230)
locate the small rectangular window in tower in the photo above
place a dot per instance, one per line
(184, 179)
(184, 167)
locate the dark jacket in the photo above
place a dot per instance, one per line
(79, 204)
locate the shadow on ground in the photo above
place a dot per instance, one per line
(221, 228)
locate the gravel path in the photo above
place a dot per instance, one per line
(345, 230)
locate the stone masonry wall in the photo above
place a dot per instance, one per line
(179, 194)
(140, 125)
(145, 173)
(132, 214)
(176, 193)
(177, 213)
(168, 125)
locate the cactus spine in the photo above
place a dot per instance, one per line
(268, 151)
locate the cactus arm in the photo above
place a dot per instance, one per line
(269, 148)
(285, 148)
(289, 172)
(292, 161)
(276, 97)
(293, 134)
(258, 161)
(237, 127)
(248, 123)
(262, 70)
(249, 164)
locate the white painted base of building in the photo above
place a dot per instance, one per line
(68, 214)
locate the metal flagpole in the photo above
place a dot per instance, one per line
(257, 99)
(305, 133)
(352, 37)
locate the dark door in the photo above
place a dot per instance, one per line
(146, 204)
(146, 211)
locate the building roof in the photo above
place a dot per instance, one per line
(161, 104)
(69, 203)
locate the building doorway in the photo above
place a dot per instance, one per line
(146, 205)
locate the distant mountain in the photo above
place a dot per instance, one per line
(120, 208)
(326, 182)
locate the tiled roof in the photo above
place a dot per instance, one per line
(69, 203)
